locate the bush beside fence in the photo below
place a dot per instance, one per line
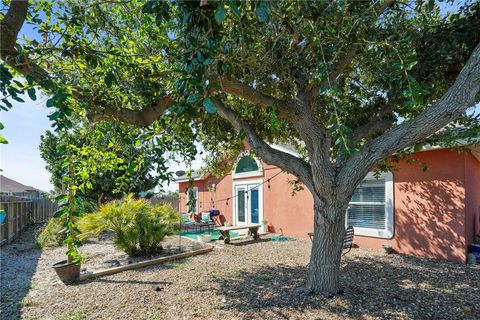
(171, 199)
(21, 212)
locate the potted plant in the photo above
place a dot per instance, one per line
(69, 270)
(265, 225)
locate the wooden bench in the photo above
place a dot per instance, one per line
(347, 239)
(225, 231)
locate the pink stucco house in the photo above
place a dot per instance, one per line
(433, 213)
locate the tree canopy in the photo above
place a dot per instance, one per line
(349, 83)
(110, 159)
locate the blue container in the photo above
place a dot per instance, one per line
(214, 212)
(475, 249)
(3, 215)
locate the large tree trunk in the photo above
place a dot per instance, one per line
(324, 270)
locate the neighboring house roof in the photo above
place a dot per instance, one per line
(8, 185)
(195, 175)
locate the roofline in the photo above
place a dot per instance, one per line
(475, 149)
(204, 176)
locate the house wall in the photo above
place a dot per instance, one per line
(285, 213)
(472, 198)
(429, 206)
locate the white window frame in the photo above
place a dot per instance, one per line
(249, 174)
(387, 231)
(195, 191)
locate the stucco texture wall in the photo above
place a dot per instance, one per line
(472, 198)
(430, 206)
(434, 210)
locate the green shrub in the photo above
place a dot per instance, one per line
(138, 226)
(51, 236)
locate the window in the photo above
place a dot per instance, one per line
(370, 210)
(192, 200)
(247, 166)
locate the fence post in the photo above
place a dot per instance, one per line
(21, 212)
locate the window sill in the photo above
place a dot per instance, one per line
(247, 175)
(376, 233)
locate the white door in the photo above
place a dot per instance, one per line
(248, 203)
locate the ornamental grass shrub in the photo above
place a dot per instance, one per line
(51, 235)
(138, 226)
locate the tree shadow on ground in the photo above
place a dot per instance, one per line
(18, 264)
(398, 287)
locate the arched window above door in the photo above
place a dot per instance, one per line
(247, 166)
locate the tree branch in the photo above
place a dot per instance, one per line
(376, 125)
(141, 118)
(10, 27)
(346, 58)
(285, 161)
(459, 97)
(244, 91)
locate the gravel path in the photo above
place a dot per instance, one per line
(244, 280)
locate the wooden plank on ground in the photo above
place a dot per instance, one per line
(142, 264)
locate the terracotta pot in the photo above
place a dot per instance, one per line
(67, 272)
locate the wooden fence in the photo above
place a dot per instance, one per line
(21, 212)
(171, 199)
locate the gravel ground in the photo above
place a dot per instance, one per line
(244, 280)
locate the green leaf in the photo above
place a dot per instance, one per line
(109, 79)
(170, 111)
(193, 98)
(209, 106)
(262, 12)
(30, 80)
(181, 109)
(220, 14)
(234, 6)
(61, 197)
(17, 98)
(7, 103)
(148, 6)
(1, 126)
(31, 94)
(59, 213)
(3, 140)
(50, 103)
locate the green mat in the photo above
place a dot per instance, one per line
(281, 238)
(192, 234)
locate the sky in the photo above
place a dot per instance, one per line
(20, 159)
(26, 122)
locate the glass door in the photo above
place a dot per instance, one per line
(247, 207)
(240, 210)
(253, 206)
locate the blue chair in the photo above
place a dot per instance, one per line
(185, 219)
(206, 217)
